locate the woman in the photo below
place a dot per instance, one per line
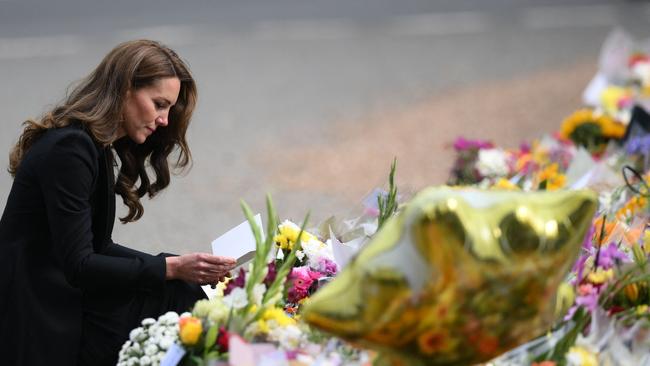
(68, 294)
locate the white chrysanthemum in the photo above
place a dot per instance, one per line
(236, 299)
(145, 360)
(219, 312)
(258, 293)
(165, 343)
(150, 349)
(492, 163)
(134, 335)
(148, 321)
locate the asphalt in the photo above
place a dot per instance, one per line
(310, 102)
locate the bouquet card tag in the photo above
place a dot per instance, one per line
(173, 355)
(238, 242)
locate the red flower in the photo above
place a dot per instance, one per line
(222, 340)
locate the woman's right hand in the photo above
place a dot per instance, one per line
(201, 268)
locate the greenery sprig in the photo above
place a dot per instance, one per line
(388, 202)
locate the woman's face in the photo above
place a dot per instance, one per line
(147, 109)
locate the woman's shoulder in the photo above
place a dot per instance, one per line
(71, 136)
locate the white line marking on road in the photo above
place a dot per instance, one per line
(569, 16)
(440, 24)
(28, 47)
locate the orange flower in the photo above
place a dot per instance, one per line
(190, 330)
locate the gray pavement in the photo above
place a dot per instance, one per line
(278, 74)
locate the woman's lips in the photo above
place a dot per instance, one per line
(150, 129)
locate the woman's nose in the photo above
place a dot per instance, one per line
(161, 121)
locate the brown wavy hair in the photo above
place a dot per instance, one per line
(97, 103)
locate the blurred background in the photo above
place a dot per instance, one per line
(311, 100)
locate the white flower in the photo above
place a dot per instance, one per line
(148, 321)
(315, 251)
(300, 255)
(165, 343)
(134, 335)
(219, 312)
(289, 337)
(236, 299)
(151, 349)
(642, 72)
(202, 308)
(492, 163)
(145, 360)
(258, 293)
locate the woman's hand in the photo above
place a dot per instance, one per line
(201, 268)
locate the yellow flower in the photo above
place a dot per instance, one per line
(611, 97)
(600, 276)
(277, 314)
(641, 309)
(581, 356)
(646, 242)
(505, 184)
(190, 330)
(551, 176)
(572, 122)
(281, 241)
(288, 235)
(632, 206)
(609, 127)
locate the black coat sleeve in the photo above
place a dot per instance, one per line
(68, 176)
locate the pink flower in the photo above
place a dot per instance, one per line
(301, 279)
(462, 144)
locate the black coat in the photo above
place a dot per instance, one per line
(55, 246)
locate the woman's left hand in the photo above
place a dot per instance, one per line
(201, 268)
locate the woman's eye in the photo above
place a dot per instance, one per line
(159, 105)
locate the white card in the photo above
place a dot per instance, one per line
(173, 355)
(238, 241)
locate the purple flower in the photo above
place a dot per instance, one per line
(240, 281)
(270, 274)
(579, 268)
(610, 255)
(327, 267)
(638, 145)
(589, 301)
(462, 144)
(587, 243)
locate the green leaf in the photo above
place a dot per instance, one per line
(211, 337)
(639, 256)
(388, 203)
